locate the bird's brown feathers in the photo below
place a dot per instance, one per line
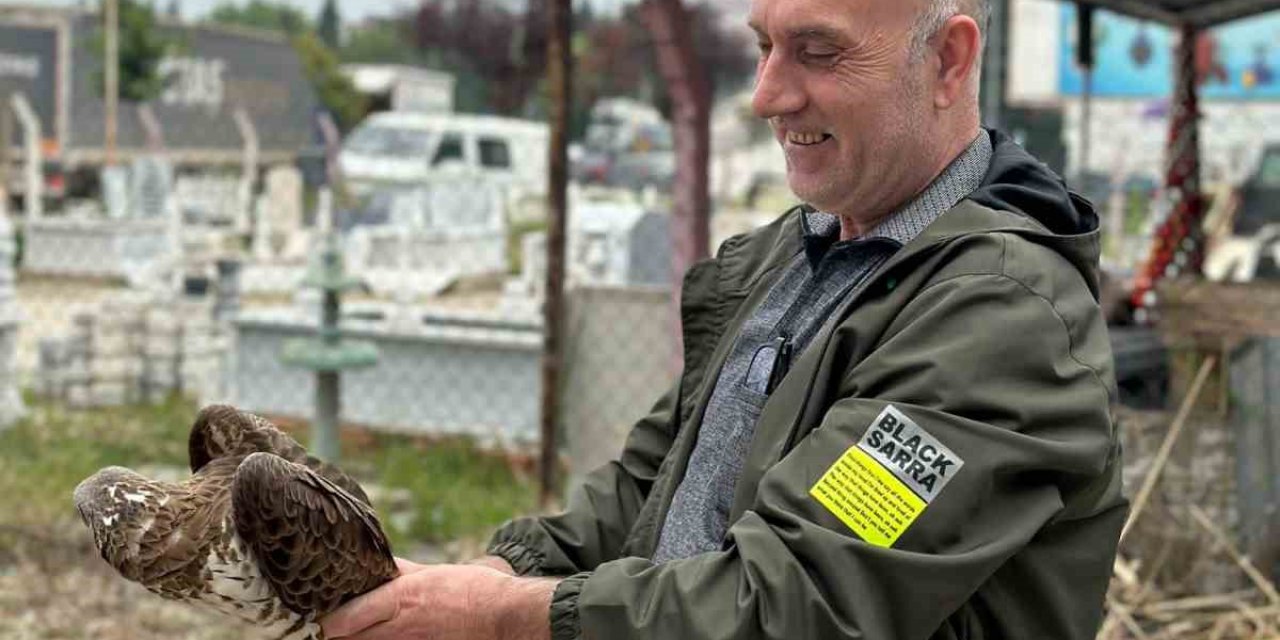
(315, 543)
(224, 431)
(256, 499)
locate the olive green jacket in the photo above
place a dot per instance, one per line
(985, 334)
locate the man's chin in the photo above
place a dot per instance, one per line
(810, 190)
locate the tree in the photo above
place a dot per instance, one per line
(319, 61)
(384, 41)
(690, 89)
(333, 87)
(261, 14)
(504, 50)
(330, 25)
(726, 56)
(141, 48)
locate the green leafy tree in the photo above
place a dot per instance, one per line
(384, 41)
(330, 25)
(502, 49)
(141, 47)
(333, 87)
(262, 14)
(319, 61)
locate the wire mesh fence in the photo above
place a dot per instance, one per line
(164, 293)
(444, 279)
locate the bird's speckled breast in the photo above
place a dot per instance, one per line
(236, 587)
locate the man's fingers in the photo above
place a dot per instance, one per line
(377, 606)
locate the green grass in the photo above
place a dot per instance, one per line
(455, 490)
(44, 456)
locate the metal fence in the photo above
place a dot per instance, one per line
(167, 287)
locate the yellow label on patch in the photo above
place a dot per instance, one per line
(867, 498)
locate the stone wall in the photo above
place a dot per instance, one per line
(135, 348)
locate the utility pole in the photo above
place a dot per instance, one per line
(111, 76)
(559, 65)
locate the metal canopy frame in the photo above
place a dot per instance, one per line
(1178, 247)
(1198, 14)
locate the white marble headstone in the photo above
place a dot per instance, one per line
(150, 188)
(115, 191)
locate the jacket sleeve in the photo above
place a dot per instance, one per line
(982, 364)
(600, 512)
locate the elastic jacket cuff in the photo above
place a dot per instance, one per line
(524, 560)
(565, 624)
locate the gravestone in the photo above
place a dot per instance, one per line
(115, 191)
(261, 244)
(150, 188)
(283, 211)
(207, 198)
(11, 406)
(465, 205)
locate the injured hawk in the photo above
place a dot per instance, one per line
(261, 530)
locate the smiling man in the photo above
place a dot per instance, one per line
(894, 416)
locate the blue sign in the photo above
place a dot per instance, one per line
(1134, 58)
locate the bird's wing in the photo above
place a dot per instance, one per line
(172, 549)
(223, 431)
(316, 545)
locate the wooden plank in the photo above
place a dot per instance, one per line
(1236, 311)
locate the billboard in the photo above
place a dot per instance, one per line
(210, 73)
(28, 64)
(1134, 58)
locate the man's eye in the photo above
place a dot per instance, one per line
(819, 57)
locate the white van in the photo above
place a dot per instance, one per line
(413, 149)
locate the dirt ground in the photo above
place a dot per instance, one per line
(60, 588)
(55, 586)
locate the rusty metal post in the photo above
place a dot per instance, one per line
(151, 128)
(6, 141)
(111, 78)
(559, 64)
(1178, 247)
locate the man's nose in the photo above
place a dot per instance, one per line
(778, 91)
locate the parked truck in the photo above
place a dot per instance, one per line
(52, 57)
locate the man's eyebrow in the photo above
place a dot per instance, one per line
(816, 32)
(809, 32)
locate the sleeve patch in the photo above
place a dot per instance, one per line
(880, 485)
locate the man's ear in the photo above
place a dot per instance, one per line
(958, 45)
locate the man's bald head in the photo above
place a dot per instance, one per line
(935, 13)
(864, 123)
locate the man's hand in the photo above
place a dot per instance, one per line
(447, 602)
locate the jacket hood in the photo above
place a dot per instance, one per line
(1018, 183)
